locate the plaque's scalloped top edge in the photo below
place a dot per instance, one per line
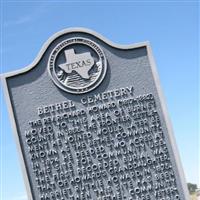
(66, 31)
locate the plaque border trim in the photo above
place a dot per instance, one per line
(39, 56)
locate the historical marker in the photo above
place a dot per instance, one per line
(91, 124)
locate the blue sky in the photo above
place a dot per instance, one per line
(171, 28)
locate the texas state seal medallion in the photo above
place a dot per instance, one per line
(77, 65)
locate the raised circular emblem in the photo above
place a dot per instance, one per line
(77, 65)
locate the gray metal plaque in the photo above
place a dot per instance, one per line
(91, 124)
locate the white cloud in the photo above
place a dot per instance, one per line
(23, 20)
(36, 13)
(18, 21)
